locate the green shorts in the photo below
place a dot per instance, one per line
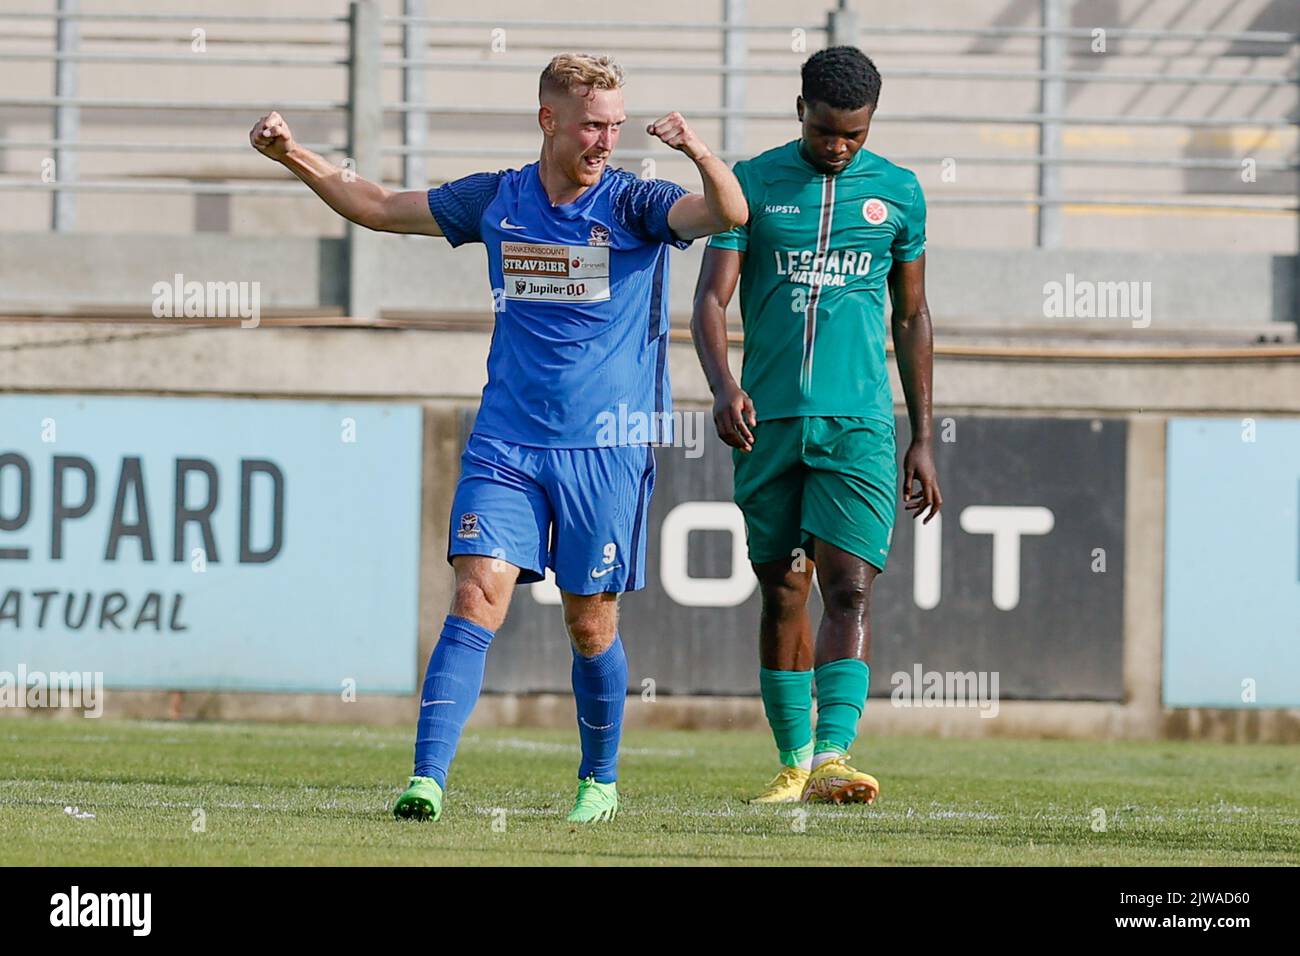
(830, 478)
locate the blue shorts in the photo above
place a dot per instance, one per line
(580, 511)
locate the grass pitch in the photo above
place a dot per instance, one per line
(302, 795)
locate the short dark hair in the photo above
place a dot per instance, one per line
(842, 77)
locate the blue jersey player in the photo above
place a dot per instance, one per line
(578, 263)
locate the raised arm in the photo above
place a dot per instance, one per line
(914, 351)
(359, 200)
(723, 204)
(733, 412)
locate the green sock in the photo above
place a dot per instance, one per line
(841, 696)
(787, 700)
(799, 757)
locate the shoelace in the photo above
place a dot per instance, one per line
(787, 775)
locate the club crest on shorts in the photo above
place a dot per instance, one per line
(599, 235)
(468, 525)
(874, 211)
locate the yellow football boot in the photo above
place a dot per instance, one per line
(836, 782)
(786, 787)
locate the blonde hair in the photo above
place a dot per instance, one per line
(580, 72)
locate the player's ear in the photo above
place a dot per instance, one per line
(546, 119)
(798, 107)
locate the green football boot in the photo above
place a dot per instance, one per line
(421, 801)
(597, 802)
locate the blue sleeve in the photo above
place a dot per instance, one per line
(641, 208)
(458, 205)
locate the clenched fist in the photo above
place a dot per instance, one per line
(673, 131)
(270, 136)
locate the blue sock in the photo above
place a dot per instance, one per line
(451, 689)
(600, 690)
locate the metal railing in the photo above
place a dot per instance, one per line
(361, 53)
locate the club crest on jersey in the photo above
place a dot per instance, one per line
(599, 235)
(874, 211)
(468, 525)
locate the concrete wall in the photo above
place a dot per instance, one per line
(1237, 295)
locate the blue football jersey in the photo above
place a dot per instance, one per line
(581, 298)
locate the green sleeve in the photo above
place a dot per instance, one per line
(910, 241)
(738, 237)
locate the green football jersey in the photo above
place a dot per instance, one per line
(818, 249)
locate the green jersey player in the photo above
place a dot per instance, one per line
(811, 422)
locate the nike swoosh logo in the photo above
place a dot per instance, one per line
(601, 572)
(507, 224)
(428, 703)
